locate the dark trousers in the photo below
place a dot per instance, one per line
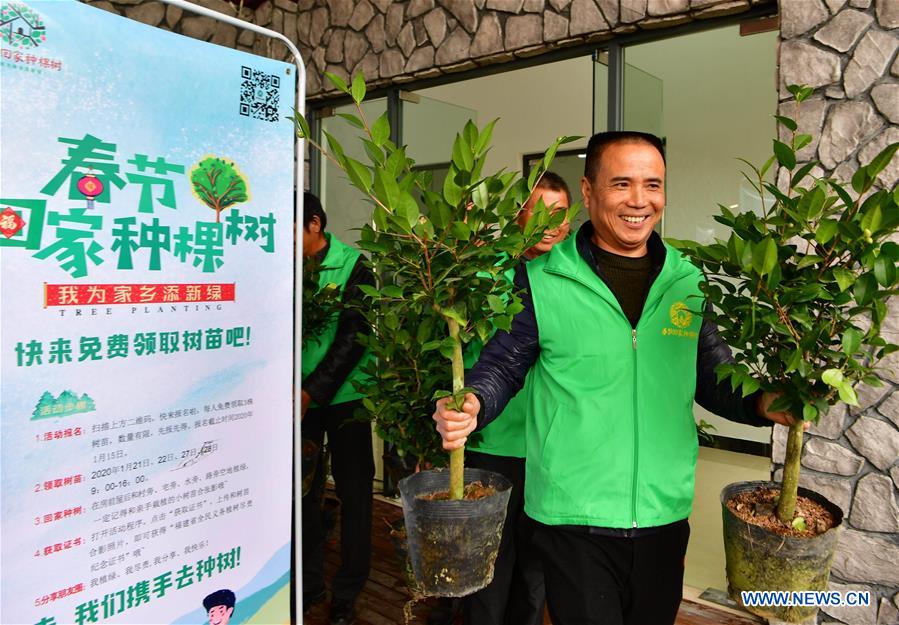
(604, 580)
(353, 469)
(515, 596)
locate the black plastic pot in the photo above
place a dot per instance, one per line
(309, 461)
(758, 559)
(401, 550)
(453, 544)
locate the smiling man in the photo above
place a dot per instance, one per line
(614, 360)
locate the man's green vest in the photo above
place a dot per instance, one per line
(504, 436)
(335, 269)
(611, 440)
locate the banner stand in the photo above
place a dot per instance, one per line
(298, 258)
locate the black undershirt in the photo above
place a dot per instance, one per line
(627, 277)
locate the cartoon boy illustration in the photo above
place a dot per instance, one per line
(220, 606)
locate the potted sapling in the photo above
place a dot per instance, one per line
(799, 290)
(442, 256)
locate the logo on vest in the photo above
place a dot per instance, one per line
(681, 318)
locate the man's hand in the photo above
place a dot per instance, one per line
(307, 399)
(784, 418)
(454, 427)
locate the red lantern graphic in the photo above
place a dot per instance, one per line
(90, 187)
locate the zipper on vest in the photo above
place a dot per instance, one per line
(636, 448)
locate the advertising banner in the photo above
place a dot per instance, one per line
(146, 301)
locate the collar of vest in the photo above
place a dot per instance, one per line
(573, 258)
(337, 253)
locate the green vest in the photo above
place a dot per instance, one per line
(335, 269)
(611, 440)
(504, 436)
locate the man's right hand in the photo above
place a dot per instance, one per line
(454, 427)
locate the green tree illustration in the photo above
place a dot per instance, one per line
(89, 403)
(219, 184)
(46, 400)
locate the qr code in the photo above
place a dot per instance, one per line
(259, 94)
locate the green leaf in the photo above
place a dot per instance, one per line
(788, 123)
(359, 174)
(799, 524)
(496, 303)
(832, 377)
(840, 191)
(460, 230)
(864, 289)
(827, 228)
(386, 188)
(764, 256)
(847, 393)
(852, 340)
(809, 412)
(800, 141)
(802, 172)
(358, 89)
(369, 290)
(462, 157)
(452, 192)
(352, 119)
(338, 82)
(844, 277)
(795, 359)
(303, 130)
(879, 163)
(380, 130)
(785, 155)
(885, 270)
(407, 209)
(860, 180)
(454, 314)
(750, 385)
(485, 136)
(890, 249)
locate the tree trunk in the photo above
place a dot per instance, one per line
(457, 456)
(786, 505)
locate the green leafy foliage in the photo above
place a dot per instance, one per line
(321, 305)
(800, 291)
(439, 259)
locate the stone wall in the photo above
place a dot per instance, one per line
(396, 41)
(847, 51)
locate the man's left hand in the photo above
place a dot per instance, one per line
(782, 417)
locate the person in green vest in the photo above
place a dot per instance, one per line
(614, 359)
(330, 364)
(516, 595)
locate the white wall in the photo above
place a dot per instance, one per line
(535, 105)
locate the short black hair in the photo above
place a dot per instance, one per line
(312, 207)
(602, 140)
(220, 597)
(554, 182)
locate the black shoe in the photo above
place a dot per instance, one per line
(311, 597)
(342, 612)
(445, 611)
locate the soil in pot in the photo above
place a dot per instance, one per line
(453, 543)
(762, 559)
(759, 507)
(470, 492)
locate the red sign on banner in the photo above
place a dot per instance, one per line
(95, 294)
